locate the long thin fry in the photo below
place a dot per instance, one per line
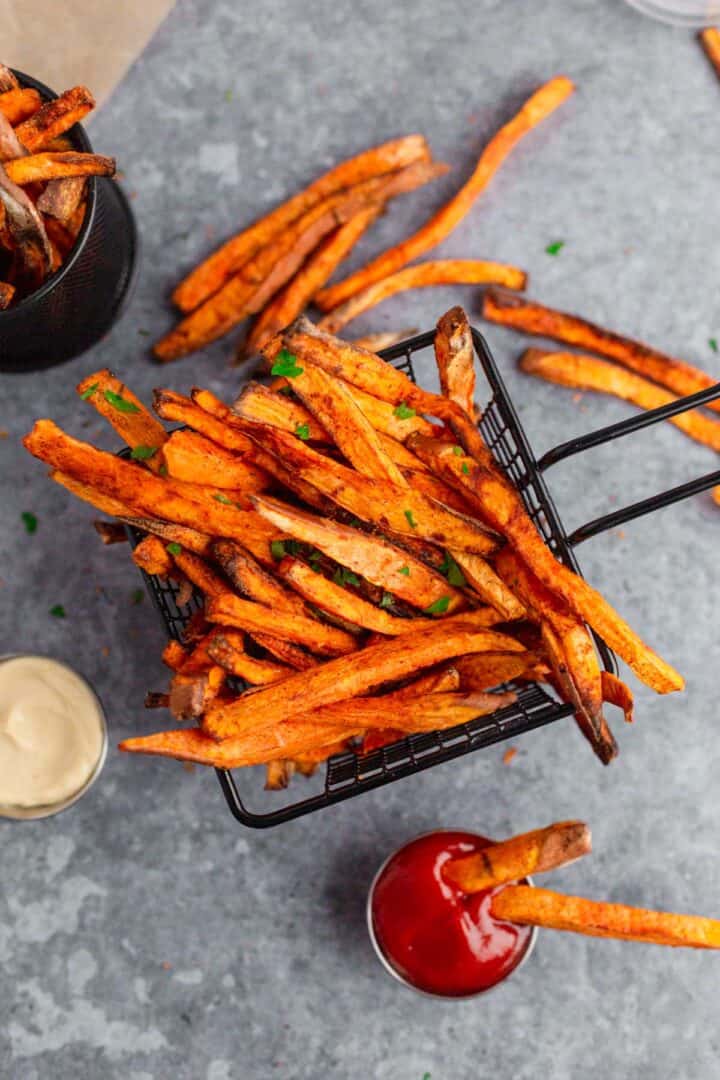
(212, 274)
(227, 648)
(251, 580)
(556, 911)
(191, 457)
(502, 508)
(455, 358)
(37, 168)
(539, 106)
(229, 610)
(419, 276)
(294, 298)
(55, 117)
(533, 852)
(589, 373)
(347, 677)
(484, 671)
(522, 314)
(135, 424)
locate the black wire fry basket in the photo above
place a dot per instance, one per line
(349, 774)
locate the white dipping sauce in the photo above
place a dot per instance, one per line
(51, 732)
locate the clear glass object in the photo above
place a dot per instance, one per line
(681, 12)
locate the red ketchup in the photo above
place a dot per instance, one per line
(431, 933)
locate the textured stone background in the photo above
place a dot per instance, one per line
(145, 934)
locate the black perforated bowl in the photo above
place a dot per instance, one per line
(78, 304)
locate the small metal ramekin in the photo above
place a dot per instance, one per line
(401, 978)
(26, 813)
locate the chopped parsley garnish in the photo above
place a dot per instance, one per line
(410, 519)
(174, 548)
(228, 96)
(465, 468)
(403, 411)
(293, 547)
(712, 342)
(163, 470)
(286, 364)
(119, 402)
(219, 497)
(58, 611)
(458, 451)
(356, 523)
(404, 570)
(303, 431)
(387, 600)
(439, 607)
(89, 392)
(143, 453)
(138, 596)
(452, 571)
(277, 549)
(29, 521)
(315, 560)
(345, 577)
(555, 248)
(144, 333)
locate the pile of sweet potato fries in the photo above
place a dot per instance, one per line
(365, 564)
(542, 850)
(278, 266)
(42, 183)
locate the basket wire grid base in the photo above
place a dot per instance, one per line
(350, 774)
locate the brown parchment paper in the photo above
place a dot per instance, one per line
(66, 42)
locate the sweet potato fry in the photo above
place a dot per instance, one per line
(32, 247)
(420, 276)
(589, 373)
(200, 573)
(212, 274)
(383, 340)
(615, 692)
(570, 650)
(484, 671)
(192, 693)
(91, 495)
(337, 600)
(151, 555)
(8, 80)
(556, 911)
(287, 653)
(18, 104)
(533, 852)
(339, 680)
(174, 655)
(7, 291)
(229, 610)
(36, 168)
(55, 117)
(227, 649)
(511, 310)
(377, 560)
(539, 106)
(379, 502)
(172, 406)
(429, 712)
(191, 457)
(260, 403)
(252, 581)
(710, 41)
(353, 434)
(455, 358)
(503, 510)
(174, 534)
(292, 300)
(61, 198)
(278, 774)
(488, 585)
(144, 493)
(125, 412)
(249, 290)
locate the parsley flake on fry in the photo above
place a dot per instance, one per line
(119, 402)
(143, 453)
(403, 411)
(303, 432)
(89, 392)
(439, 607)
(410, 519)
(286, 364)
(173, 548)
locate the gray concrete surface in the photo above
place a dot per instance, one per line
(144, 934)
